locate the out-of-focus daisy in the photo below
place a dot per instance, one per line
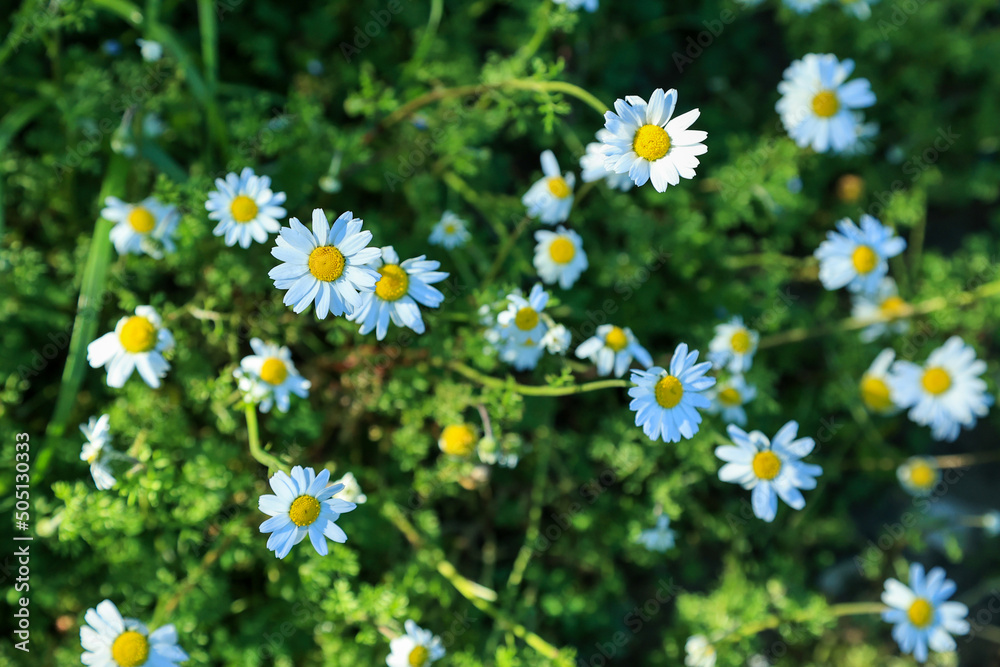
(666, 403)
(592, 165)
(884, 304)
(268, 376)
(400, 287)
(699, 652)
(921, 613)
(919, 475)
(328, 266)
(857, 256)
(302, 505)
(417, 648)
(645, 143)
(729, 397)
(612, 350)
(351, 492)
(875, 386)
(151, 51)
(772, 469)
(522, 320)
(817, 107)
(859, 8)
(110, 640)
(559, 256)
(137, 343)
(450, 232)
(557, 339)
(659, 538)
(733, 346)
(145, 227)
(589, 5)
(458, 440)
(803, 6)
(97, 450)
(493, 453)
(245, 208)
(522, 354)
(551, 197)
(946, 393)
(991, 523)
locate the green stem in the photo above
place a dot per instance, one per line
(534, 518)
(525, 53)
(530, 390)
(272, 462)
(426, 39)
(505, 249)
(209, 41)
(837, 610)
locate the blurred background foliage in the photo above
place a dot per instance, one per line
(271, 85)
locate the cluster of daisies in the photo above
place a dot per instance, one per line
(859, 8)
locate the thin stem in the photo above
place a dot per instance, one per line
(534, 518)
(531, 390)
(529, 49)
(505, 249)
(837, 610)
(272, 462)
(426, 39)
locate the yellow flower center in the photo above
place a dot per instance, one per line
(526, 319)
(864, 259)
(920, 613)
(893, 307)
(616, 339)
(243, 209)
(558, 187)
(850, 188)
(922, 475)
(326, 263)
(936, 380)
(138, 335)
(419, 656)
(766, 465)
(740, 341)
(875, 393)
(651, 142)
(304, 511)
(393, 284)
(141, 220)
(449, 229)
(562, 250)
(273, 371)
(669, 391)
(730, 397)
(130, 649)
(457, 440)
(825, 104)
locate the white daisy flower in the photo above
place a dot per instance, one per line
(523, 355)
(557, 339)
(109, 640)
(522, 320)
(551, 197)
(589, 5)
(699, 652)
(884, 304)
(450, 232)
(328, 266)
(803, 6)
(733, 346)
(729, 397)
(991, 523)
(862, 9)
(137, 343)
(245, 207)
(876, 384)
(666, 403)
(817, 107)
(918, 475)
(592, 165)
(648, 145)
(97, 450)
(612, 350)
(351, 492)
(458, 440)
(945, 393)
(660, 538)
(302, 505)
(145, 227)
(921, 614)
(268, 376)
(400, 287)
(559, 256)
(417, 648)
(857, 257)
(151, 51)
(771, 468)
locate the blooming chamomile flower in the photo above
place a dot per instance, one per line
(645, 143)
(876, 387)
(945, 393)
(699, 652)
(458, 440)
(523, 354)
(733, 346)
(817, 107)
(771, 468)
(559, 256)
(612, 350)
(97, 451)
(245, 207)
(145, 227)
(659, 538)
(151, 51)
(589, 5)
(110, 640)
(302, 505)
(351, 492)
(884, 307)
(919, 475)
(450, 232)
(551, 197)
(400, 287)
(328, 266)
(268, 376)
(592, 165)
(417, 648)
(729, 397)
(137, 343)
(857, 256)
(921, 613)
(557, 339)
(666, 402)
(522, 320)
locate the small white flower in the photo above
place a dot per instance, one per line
(919, 475)
(268, 376)
(862, 9)
(151, 51)
(522, 320)
(921, 614)
(991, 523)
(110, 640)
(666, 403)
(551, 197)
(141, 228)
(857, 257)
(876, 385)
(302, 505)
(612, 350)
(884, 304)
(589, 5)
(522, 354)
(803, 6)
(559, 256)
(245, 207)
(699, 652)
(592, 166)
(729, 397)
(137, 343)
(450, 232)
(417, 648)
(660, 538)
(733, 346)
(97, 450)
(351, 492)
(557, 339)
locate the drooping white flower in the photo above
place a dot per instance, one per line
(550, 199)
(612, 349)
(269, 376)
(137, 343)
